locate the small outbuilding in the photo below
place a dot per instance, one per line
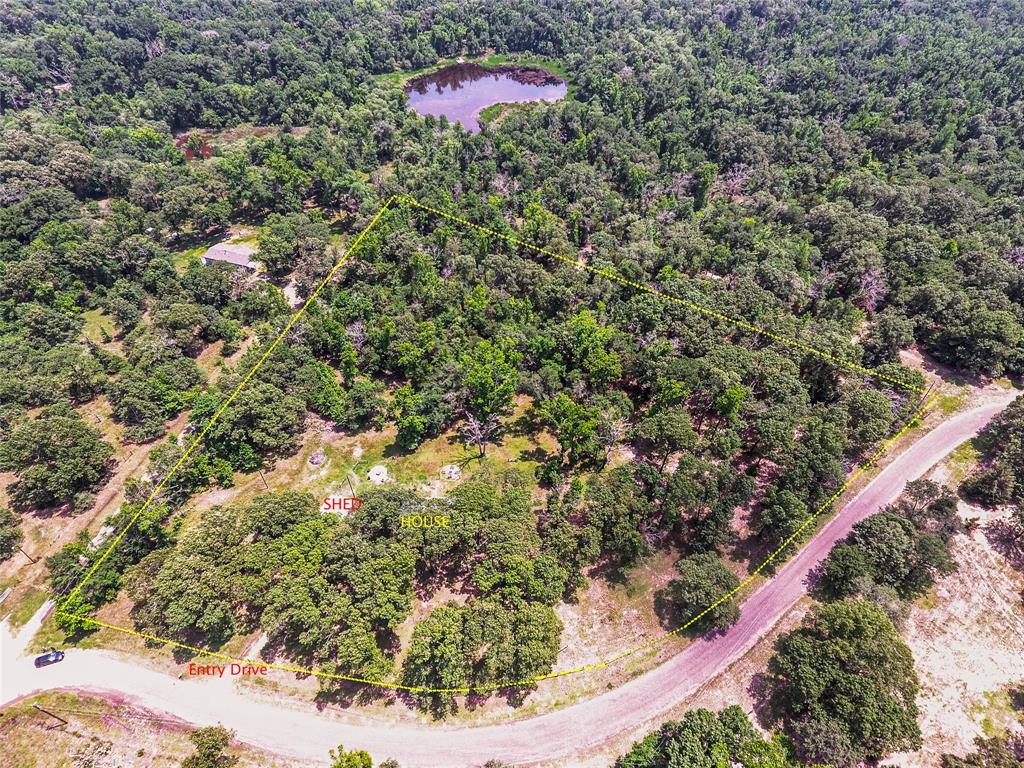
(235, 254)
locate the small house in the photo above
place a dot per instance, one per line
(235, 254)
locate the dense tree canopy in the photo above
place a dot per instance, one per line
(57, 457)
(10, 533)
(843, 685)
(903, 548)
(1000, 477)
(704, 739)
(845, 175)
(702, 581)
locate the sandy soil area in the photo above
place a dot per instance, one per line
(967, 637)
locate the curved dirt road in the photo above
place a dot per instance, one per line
(574, 730)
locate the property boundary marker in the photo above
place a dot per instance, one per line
(529, 682)
(669, 297)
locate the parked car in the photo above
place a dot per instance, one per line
(49, 658)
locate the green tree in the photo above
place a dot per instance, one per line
(667, 430)
(262, 421)
(890, 550)
(55, 456)
(354, 759)
(702, 580)
(489, 376)
(589, 345)
(412, 424)
(10, 533)
(704, 739)
(210, 744)
(870, 414)
(575, 427)
(72, 616)
(846, 571)
(437, 658)
(843, 685)
(783, 516)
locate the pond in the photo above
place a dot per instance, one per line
(460, 92)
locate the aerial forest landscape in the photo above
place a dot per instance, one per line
(479, 384)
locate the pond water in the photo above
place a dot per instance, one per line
(461, 91)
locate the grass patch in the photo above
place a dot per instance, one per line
(489, 113)
(49, 636)
(962, 460)
(422, 466)
(503, 109)
(25, 608)
(237, 645)
(100, 733)
(182, 259)
(951, 403)
(99, 327)
(929, 600)
(997, 713)
(554, 66)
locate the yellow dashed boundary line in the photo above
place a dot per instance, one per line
(252, 371)
(509, 684)
(561, 673)
(667, 297)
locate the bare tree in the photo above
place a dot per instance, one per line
(479, 432)
(609, 434)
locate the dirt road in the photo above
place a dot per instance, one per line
(577, 729)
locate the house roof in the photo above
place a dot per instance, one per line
(232, 253)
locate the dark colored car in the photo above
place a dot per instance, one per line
(49, 658)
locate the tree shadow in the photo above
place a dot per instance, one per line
(333, 691)
(752, 551)
(610, 571)
(759, 689)
(514, 696)
(196, 640)
(672, 619)
(536, 454)
(394, 450)
(430, 580)
(950, 373)
(665, 610)
(1007, 538)
(345, 694)
(1016, 693)
(815, 586)
(525, 425)
(476, 699)
(438, 706)
(67, 509)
